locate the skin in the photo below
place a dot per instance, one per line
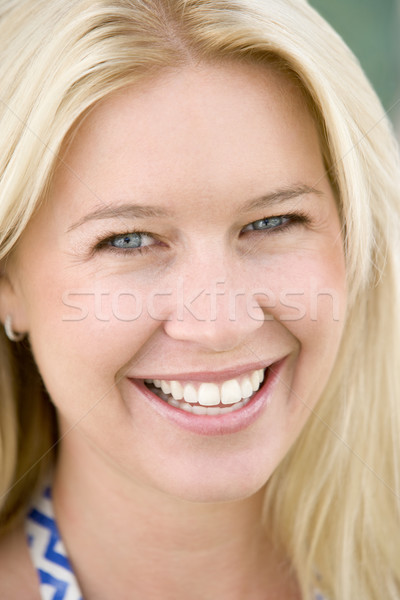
(183, 507)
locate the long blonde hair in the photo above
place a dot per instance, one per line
(333, 503)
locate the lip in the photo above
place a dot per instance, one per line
(209, 376)
(213, 425)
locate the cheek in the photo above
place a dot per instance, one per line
(84, 333)
(311, 306)
(308, 290)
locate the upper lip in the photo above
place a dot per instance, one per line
(212, 375)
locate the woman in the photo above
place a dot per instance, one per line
(200, 225)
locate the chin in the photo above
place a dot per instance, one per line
(214, 488)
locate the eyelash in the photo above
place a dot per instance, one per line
(294, 219)
(104, 243)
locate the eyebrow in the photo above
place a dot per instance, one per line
(280, 195)
(140, 211)
(122, 211)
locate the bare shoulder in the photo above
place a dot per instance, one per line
(18, 578)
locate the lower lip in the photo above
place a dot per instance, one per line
(217, 424)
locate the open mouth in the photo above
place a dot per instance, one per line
(204, 398)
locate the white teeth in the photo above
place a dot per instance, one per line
(173, 402)
(190, 394)
(246, 387)
(255, 380)
(208, 410)
(205, 398)
(213, 410)
(231, 392)
(230, 409)
(176, 390)
(208, 394)
(199, 410)
(165, 386)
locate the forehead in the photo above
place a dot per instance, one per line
(198, 128)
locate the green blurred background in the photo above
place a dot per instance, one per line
(372, 30)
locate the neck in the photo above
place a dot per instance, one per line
(152, 545)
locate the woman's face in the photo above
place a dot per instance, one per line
(190, 236)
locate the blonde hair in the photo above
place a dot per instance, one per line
(333, 502)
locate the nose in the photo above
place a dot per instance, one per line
(216, 313)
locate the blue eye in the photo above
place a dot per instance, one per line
(127, 243)
(129, 240)
(269, 223)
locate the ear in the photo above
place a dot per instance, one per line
(11, 298)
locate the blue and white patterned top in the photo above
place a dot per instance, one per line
(56, 577)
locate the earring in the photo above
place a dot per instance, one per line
(12, 335)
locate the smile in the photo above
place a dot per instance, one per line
(212, 404)
(205, 398)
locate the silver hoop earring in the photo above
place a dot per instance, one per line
(10, 333)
